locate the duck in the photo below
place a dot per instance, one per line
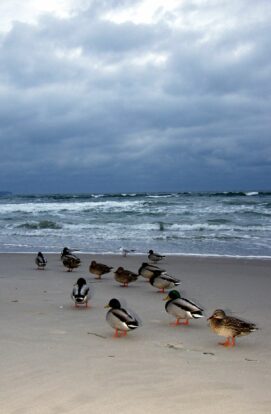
(81, 292)
(181, 308)
(120, 319)
(154, 257)
(163, 281)
(99, 269)
(69, 259)
(40, 261)
(147, 270)
(125, 276)
(124, 252)
(229, 327)
(66, 251)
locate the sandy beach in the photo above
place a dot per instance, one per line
(59, 359)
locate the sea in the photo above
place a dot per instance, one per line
(181, 223)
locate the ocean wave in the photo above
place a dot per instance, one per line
(78, 207)
(206, 237)
(218, 222)
(234, 193)
(43, 224)
(72, 197)
(197, 227)
(60, 197)
(159, 196)
(135, 230)
(256, 213)
(227, 194)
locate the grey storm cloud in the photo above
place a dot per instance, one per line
(182, 103)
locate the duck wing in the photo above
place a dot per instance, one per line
(124, 316)
(130, 275)
(153, 268)
(187, 305)
(105, 268)
(165, 276)
(238, 326)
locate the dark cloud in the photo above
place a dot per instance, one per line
(183, 103)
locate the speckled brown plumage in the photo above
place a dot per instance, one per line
(99, 269)
(125, 276)
(229, 326)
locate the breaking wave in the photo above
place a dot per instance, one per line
(44, 224)
(235, 223)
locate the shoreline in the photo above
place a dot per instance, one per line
(140, 254)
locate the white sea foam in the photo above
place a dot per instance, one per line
(173, 223)
(252, 193)
(36, 208)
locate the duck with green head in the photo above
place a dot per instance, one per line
(119, 318)
(181, 308)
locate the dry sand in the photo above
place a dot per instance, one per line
(58, 359)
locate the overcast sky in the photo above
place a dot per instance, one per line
(127, 95)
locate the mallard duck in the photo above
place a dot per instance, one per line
(119, 318)
(66, 251)
(69, 259)
(71, 262)
(99, 269)
(40, 261)
(147, 270)
(80, 293)
(181, 308)
(229, 327)
(155, 257)
(163, 281)
(125, 276)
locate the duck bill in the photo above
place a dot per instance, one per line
(166, 298)
(106, 306)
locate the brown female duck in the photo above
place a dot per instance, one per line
(125, 276)
(229, 327)
(99, 269)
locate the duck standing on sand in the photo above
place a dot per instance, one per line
(120, 319)
(40, 261)
(229, 327)
(69, 259)
(125, 276)
(163, 281)
(181, 308)
(99, 269)
(155, 257)
(147, 270)
(80, 293)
